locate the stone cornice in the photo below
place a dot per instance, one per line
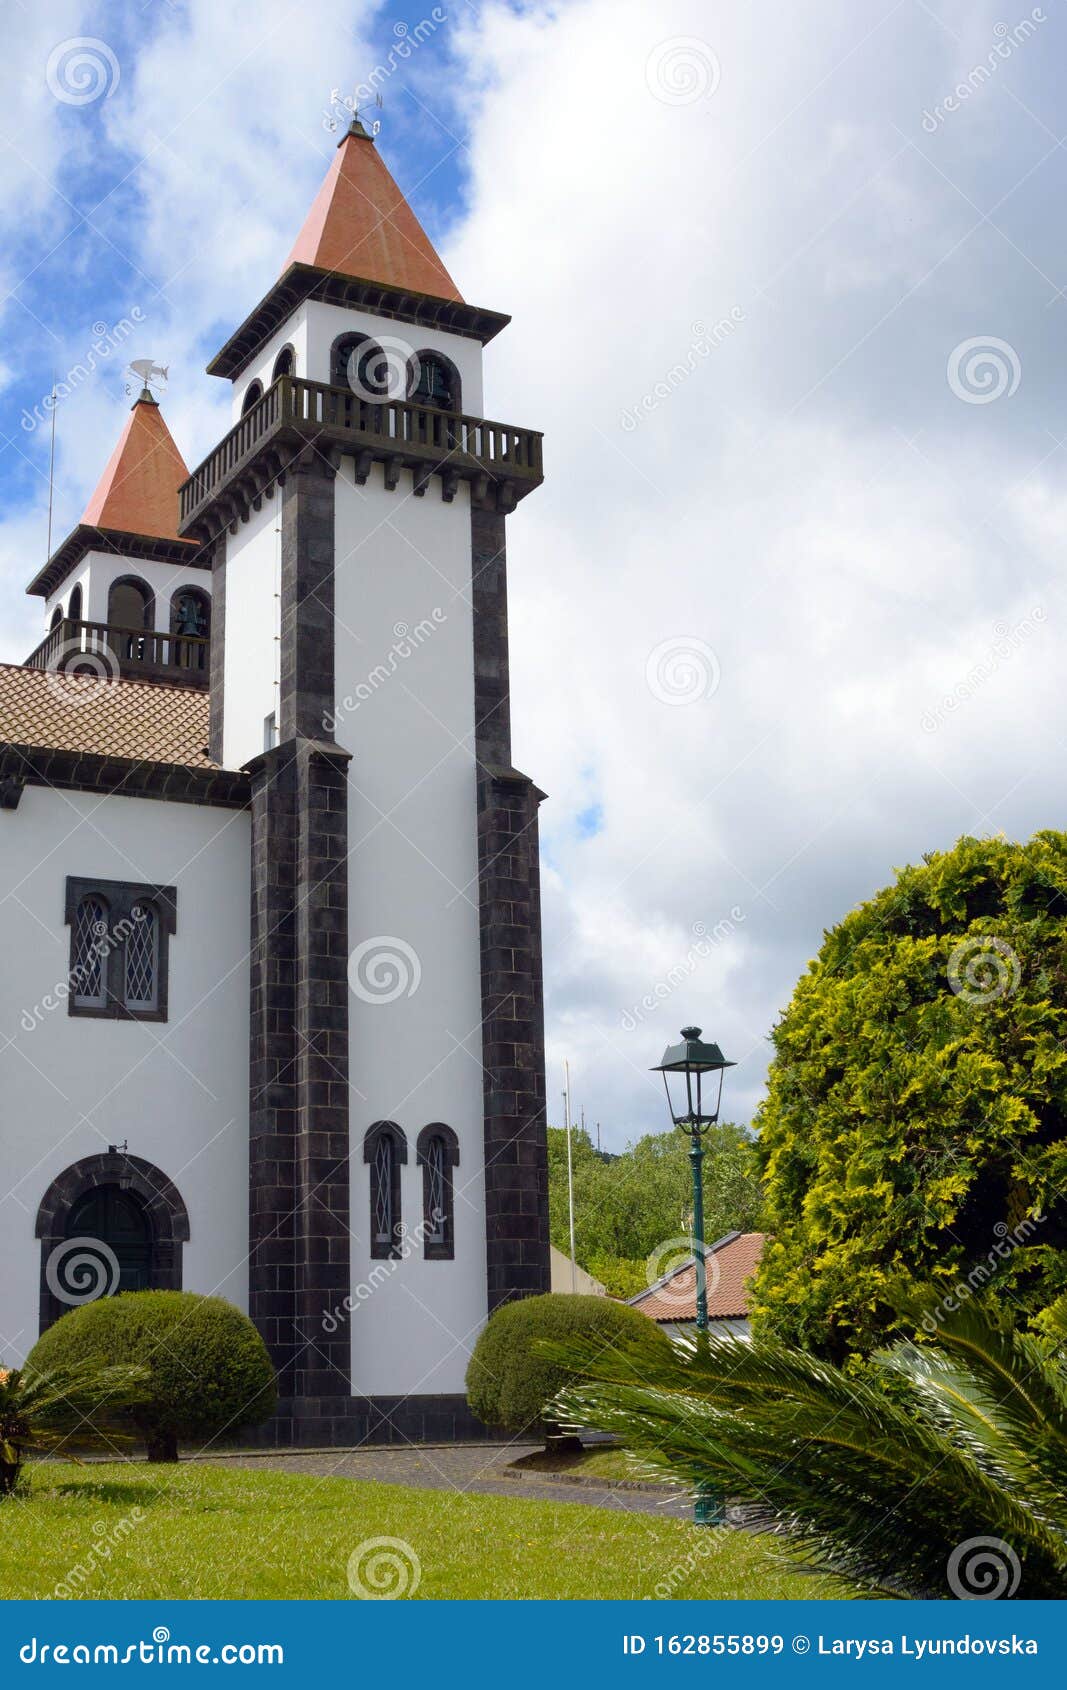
(304, 281)
(87, 539)
(82, 771)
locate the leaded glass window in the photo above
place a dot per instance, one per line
(382, 1196)
(436, 1179)
(437, 1152)
(88, 954)
(119, 943)
(142, 958)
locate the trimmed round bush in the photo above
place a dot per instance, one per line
(209, 1369)
(509, 1383)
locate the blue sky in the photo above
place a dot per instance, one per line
(790, 310)
(81, 262)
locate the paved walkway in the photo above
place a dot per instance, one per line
(478, 1468)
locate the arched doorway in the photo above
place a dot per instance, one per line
(119, 1221)
(135, 1212)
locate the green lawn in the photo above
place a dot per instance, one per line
(200, 1531)
(602, 1461)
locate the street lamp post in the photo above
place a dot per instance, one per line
(683, 1069)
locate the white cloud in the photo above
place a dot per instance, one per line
(811, 501)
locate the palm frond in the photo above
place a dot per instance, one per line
(877, 1486)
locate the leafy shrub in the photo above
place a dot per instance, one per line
(40, 1411)
(509, 1382)
(208, 1368)
(915, 1125)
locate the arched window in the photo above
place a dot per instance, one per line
(190, 612)
(284, 364)
(385, 1150)
(437, 1153)
(190, 622)
(252, 397)
(140, 971)
(75, 610)
(358, 363)
(434, 380)
(57, 617)
(88, 951)
(119, 1223)
(129, 606)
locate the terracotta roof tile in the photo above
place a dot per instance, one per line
(138, 491)
(361, 225)
(730, 1266)
(141, 720)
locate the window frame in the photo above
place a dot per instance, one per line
(441, 1247)
(388, 1249)
(287, 351)
(455, 383)
(120, 898)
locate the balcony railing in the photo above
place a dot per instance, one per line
(108, 651)
(416, 434)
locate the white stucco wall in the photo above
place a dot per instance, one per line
(97, 571)
(293, 332)
(177, 1090)
(313, 327)
(405, 564)
(253, 562)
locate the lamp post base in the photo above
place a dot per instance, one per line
(709, 1508)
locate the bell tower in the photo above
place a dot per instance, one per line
(355, 516)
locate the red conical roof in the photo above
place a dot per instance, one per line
(361, 225)
(138, 491)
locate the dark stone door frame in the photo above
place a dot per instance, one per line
(163, 1203)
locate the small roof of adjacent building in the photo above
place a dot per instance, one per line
(731, 1262)
(140, 720)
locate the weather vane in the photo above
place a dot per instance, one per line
(349, 106)
(148, 373)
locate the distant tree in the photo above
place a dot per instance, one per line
(628, 1206)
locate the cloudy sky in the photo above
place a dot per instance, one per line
(786, 281)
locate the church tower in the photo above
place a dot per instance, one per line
(354, 517)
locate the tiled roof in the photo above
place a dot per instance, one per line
(140, 720)
(361, 225)
(138, 491)
(730, 1266)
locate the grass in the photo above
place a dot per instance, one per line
(195, 1530)
(603, 1461)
